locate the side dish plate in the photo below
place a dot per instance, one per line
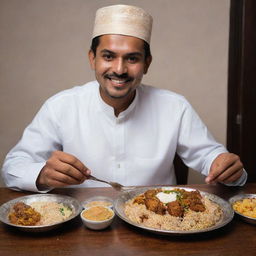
(66, 200)
(239, 197)
(119, 203)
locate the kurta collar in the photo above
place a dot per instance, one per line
(109, 111)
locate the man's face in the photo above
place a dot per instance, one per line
(119, 66)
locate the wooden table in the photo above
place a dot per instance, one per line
(236, 238)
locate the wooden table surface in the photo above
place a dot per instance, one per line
(236, 238)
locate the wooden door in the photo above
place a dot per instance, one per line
(241, 127)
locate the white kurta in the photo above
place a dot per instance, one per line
(135, 148)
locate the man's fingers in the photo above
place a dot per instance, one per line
(71, 160)
(62, 169)
(228, 176)
(227, 167)
(65, 179)
(215, 172)
(65, 169)
(59, 179)
(233, 177)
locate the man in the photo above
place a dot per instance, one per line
(117, 128)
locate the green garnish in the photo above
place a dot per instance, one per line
(170, 191)
(62, 211)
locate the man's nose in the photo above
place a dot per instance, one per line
(120, 66)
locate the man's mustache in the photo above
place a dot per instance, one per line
(117, 76)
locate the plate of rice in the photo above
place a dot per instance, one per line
(173, 210)
(39, 212)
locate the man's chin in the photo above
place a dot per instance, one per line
(118, 93)
(117, 96)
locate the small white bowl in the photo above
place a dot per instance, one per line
(96, 200)
(97, 225)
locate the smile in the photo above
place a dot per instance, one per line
(119, 78)
(119, 81)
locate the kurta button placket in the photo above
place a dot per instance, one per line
(119, 148)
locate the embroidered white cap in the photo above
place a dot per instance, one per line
(123, 20)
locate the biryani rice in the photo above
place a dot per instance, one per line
(192, 220)
(51, 212)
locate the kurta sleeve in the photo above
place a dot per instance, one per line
(25, 161)
(196, 146)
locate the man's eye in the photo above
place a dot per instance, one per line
(107, 57)
(133, 59)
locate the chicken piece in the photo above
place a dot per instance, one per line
(20, 207)
(196, 194)
(152, 204)
(24, 215)
(191, 195)
(139, 199)
(155, 205)
(194, 203)
(175, 209)
(197, 206)
(150, 193)
(161, 209)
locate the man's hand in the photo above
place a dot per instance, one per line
(226, 168)
(61, 170)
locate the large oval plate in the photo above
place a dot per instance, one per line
(119, 203)
(65, 200)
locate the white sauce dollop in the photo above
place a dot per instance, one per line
(166, 198)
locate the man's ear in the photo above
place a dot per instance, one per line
(91, 57)
(147, 64)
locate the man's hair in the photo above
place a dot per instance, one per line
(96, 42)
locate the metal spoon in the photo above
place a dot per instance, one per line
(115, 185)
